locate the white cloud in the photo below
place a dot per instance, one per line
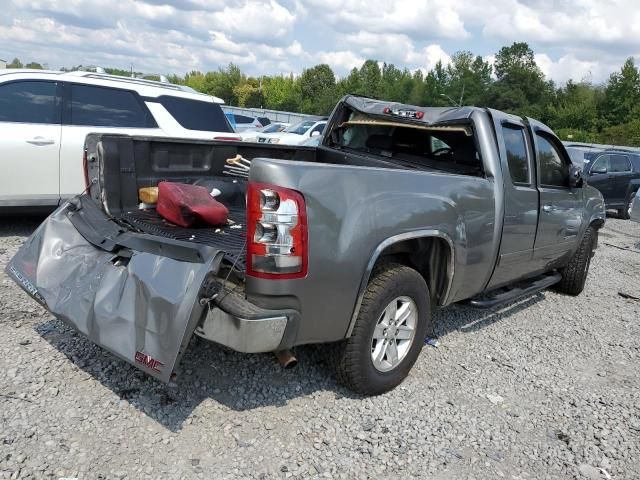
(425, 19)
(572, 38)
(343, 61)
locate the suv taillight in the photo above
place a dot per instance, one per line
(276, 232)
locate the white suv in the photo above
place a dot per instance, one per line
(45, 117)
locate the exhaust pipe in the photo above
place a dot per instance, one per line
(286, 358)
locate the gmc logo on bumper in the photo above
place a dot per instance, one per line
(149, 362)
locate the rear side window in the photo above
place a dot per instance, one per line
(554, 171)
(107, 107)
(243, 118)
(516, 146)
(29, 102)
(196, 115)
(620, 163)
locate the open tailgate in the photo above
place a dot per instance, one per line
(141, 306)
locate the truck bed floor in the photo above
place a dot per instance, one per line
(229, 238)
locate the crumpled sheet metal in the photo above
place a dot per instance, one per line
(144, 312)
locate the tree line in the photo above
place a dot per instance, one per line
(579, 110)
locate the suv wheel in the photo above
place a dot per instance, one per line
(574, 275)
(388, 334)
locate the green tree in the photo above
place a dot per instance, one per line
(521, 87)
(248, 95)
(622, 95)
(370, 79)
(33, 65)
(282, 93)
(318, 89)
(468, 78)
(15, 63)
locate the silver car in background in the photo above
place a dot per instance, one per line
(634, 209)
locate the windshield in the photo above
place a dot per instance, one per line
(301, 128)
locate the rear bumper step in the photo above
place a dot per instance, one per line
(235, 322)
(500, 297)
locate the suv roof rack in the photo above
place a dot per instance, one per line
(137, 81)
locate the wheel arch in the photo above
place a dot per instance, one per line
(421, 250)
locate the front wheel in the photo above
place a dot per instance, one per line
(574, 275)
(388, 335)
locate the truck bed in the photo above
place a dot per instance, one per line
(231, 238)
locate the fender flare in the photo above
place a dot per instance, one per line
(387, 243)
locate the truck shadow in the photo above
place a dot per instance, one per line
(19, 226)
(212, 378)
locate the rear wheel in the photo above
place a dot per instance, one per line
(574, 275)
(388, 334)
(625, 213)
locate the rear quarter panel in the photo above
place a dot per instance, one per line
(350, 211)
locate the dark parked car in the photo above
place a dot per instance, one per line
(616, 173)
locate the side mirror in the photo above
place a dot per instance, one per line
(598, 170)
(575, 177)
(315, 134)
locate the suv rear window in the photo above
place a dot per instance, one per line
(107, 107)
(243, 118)
(196, 115)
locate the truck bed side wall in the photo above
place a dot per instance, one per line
(351, 210)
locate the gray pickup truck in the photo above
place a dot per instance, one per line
(400, 210)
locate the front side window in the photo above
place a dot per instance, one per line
(319, 128)
(554, 171)
(602, 164)
(516, 146)
(620, 163)
(29, 102)
(106, 107)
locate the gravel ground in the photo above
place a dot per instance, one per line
(547, 388)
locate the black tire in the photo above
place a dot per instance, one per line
(574, 275)
(352, 358)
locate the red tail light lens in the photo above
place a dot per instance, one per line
(85, 170)
(276, 232)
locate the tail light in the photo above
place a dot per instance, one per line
(85, 170)
(276, 232)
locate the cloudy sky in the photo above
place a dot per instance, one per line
(572, 38)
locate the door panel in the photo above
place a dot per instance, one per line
(602, 181)
(620, 176)
(520, 199)
(29, 143)
(561, 207)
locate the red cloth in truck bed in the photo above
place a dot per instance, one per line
(187, 205)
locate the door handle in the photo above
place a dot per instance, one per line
(41, 141)
(548, 208)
